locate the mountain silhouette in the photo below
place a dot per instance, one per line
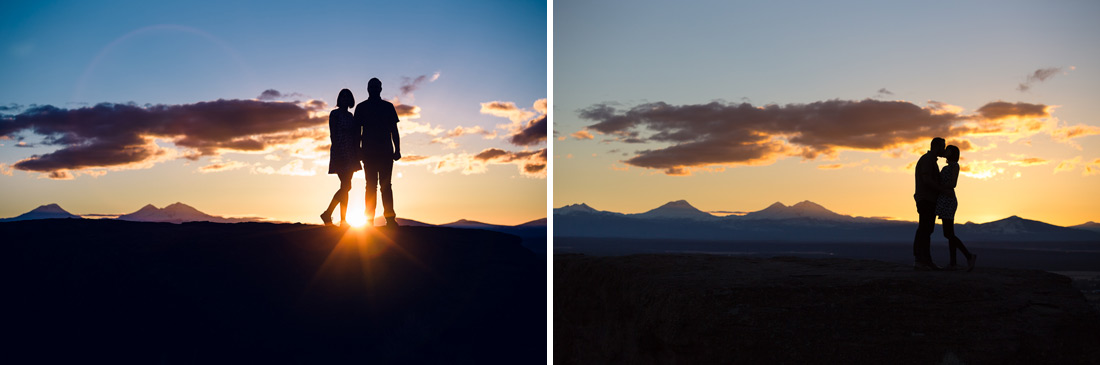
(575, 208)
(804, 209)
(676, 209)
(48, 211)
(176, 213)
(803, 222)
(1090, 226)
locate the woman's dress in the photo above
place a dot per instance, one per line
(946, 204)
(343, 156)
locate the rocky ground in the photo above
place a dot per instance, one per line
(686, 308)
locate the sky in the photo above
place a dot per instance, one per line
(109, 106)
(733, 106)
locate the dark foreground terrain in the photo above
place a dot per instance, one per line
(100, 291)
(705, 308)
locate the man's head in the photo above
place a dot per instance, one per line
(374, 87)
(938, 146)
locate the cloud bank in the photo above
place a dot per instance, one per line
(717, 134)
(122, 136)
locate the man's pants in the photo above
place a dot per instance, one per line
(927, 223)
(378, 173)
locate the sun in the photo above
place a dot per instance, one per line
(356, 218)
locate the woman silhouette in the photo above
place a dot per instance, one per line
(343, 157)
(946, 205)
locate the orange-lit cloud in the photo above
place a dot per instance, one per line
(836, 166)
(5, 169)
(529, 163)
(527, 127)
(506, 109)
(720, 134)
(582, 134)
(1087, 167)
(222, 166)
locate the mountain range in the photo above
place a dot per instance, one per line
(805, 221)
(533, 233)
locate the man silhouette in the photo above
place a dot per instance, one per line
(928, 188)
(381, 146)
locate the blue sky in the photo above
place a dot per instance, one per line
(76, 54)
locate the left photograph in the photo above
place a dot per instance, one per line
(259, 182)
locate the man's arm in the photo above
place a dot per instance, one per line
(396, 137)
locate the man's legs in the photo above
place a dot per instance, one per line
(926, 224)
(370, 169)
(385, 170)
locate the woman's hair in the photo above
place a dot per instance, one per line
(952, 153)
(345, 99)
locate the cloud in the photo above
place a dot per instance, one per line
(582, 134)
(293, 168)
(527, 127)
(5, 169)
(533, 133)
(883, 92)
(122, 136)
(448, 137)
(506, 110)
(528, 163)
(836, 166)
(1038, 76)
(406, 112)
(222, 166)
(720, 134)
(272, 94)
(60, 175)
(408, 85)
(1028, 161)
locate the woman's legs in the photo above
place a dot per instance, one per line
(953, 242)
(340, 198)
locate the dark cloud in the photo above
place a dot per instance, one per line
(120, 135)
(1001, 109)
(272, 94)
(741, 134)
(1038, 76)
(60, 175)
(533, 133)
(408, 84)
(884, 92)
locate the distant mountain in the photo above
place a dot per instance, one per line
(539, 223)
(802, 222)
(1089, 226)
(575, 208)
(679, 209)
(176, 213)
(463, 223)
(47, 211)
(805, 209)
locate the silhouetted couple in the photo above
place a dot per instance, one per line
(935, 195)
(369, 136)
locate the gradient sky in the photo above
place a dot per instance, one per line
(733, 106)
(223, 105)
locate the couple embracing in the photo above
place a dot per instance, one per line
(935, 196)
(368, 136)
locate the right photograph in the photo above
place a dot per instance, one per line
(841, 182)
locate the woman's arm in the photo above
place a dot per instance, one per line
(954, 177)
